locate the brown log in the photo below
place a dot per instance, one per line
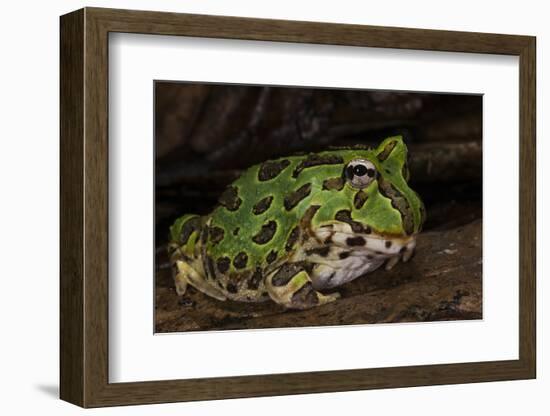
(442, 282)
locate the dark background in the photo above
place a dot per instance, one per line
(206, 134)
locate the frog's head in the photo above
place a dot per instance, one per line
(375, 197)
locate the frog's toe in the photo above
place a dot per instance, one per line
(180, 280)
(409, 252)
(331, 297)
(392, 262)
(181, 286)
(307, 297)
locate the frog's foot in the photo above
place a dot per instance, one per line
(184, 274)
(291, 286)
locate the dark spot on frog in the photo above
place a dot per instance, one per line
(204, 234)
(360, 199)
(236, 231)
(292, 238)
(357, 227)
(271, 257)
(240, 260)
(254, 281)
(294, 198)
(262, 205)
(189, 228)
(230, 199)
(320, 251)
(349, 172)
(388, 244)
(370, 257)
(355, 241)
(333, 184)
(402, 249)
(344, 255)
(308, 267)
(266, 233)
(399, 202)
(271, 169)
(216, 235)
(313, 160)
(223, 264)
(210, 267)
(232, 288)
(385, 153)
(285, 273)
(305, 222)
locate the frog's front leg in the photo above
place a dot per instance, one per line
(180, 278)
(186, 274)
(291, 286)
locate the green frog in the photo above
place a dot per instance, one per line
(292, 229)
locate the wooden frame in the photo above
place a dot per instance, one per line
(84, 213)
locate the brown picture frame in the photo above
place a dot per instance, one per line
(84, 207)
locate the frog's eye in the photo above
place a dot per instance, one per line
(360, 173)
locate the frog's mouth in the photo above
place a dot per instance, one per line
(371, 245)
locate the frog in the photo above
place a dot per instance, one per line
(293, 229)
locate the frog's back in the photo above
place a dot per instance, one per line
(259, 215)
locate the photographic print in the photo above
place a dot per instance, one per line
(281, 206)
(325, 182)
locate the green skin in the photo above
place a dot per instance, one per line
(227, 256)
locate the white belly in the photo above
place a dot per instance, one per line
(347, 259)
(335, 273)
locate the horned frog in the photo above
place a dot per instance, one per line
(292, 227)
